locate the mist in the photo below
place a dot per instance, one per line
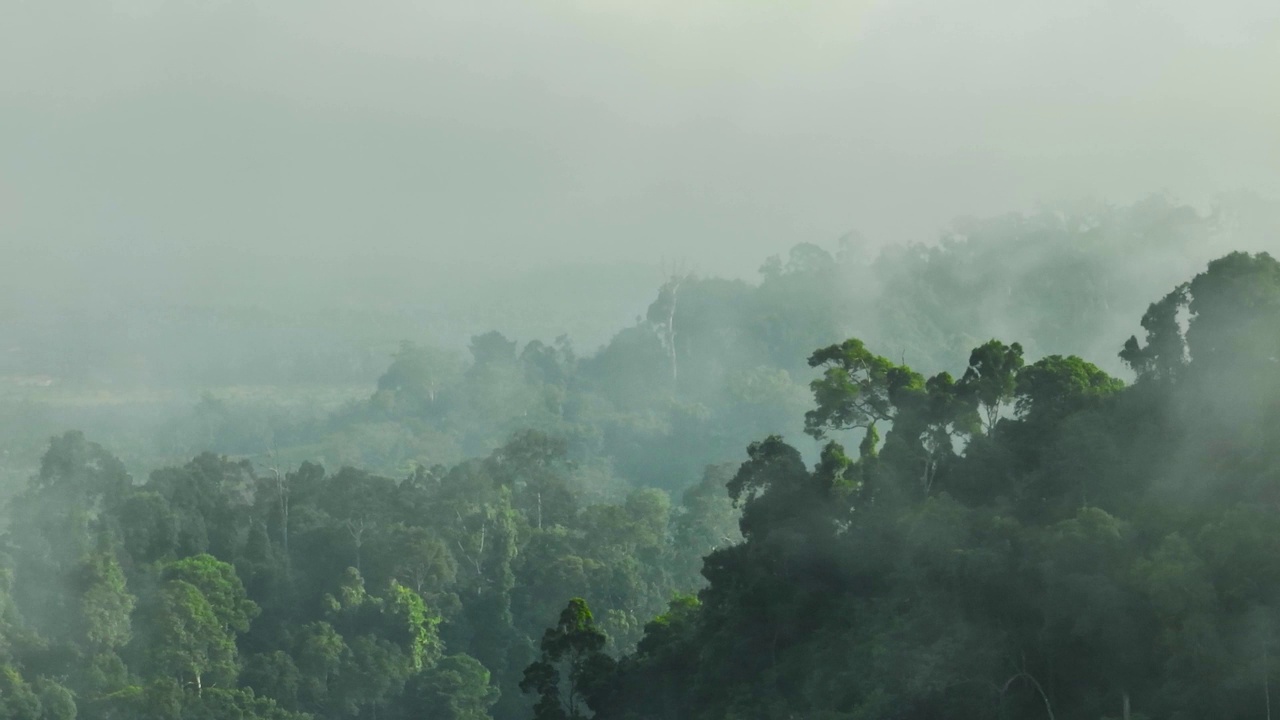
(322, 153)
(628, 360)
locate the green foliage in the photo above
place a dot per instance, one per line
(1165, 353)
(417, 626)
(1031, 537)
(17, 699)
(1055, 386)
(571, 653)
(189, 638)
(221, 587)
(105, 602)
(456, 689)
(1103, 552)
(992, 377)
(854, 390)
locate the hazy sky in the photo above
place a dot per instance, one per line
(185, 145)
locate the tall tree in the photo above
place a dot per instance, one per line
(571, 654)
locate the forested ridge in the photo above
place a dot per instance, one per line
(1024, 535)
(1029, 540)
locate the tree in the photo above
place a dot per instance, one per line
(384, 640)
(218, 583)
(317, 650)
(490, 349)
(1235, 313)
(536, 467)
(416, 557)
(662, 315)
(854, 390)
(17, 700)
(148, 528)
(1165, 353)
(774, 489)
(63, 517)
(992, 378)
(706, 520)
(105, 602)
(457, 688)
(416, 379)
(189, 640)
(571, 652)
(549, 364)
(193, 622)
(210, 499)
(82, 469)
(1056, 386)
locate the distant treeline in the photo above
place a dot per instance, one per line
(1026, 537)
(714, 364)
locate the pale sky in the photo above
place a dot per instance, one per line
(186, 145)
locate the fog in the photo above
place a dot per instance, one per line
(303, 154)
(835, 360)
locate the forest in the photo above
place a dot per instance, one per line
(913, 483)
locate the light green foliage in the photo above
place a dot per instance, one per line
(56, 701)
(417, 625)
(193, 620)
(17, 699)
(992, 378)
(1056, 385)
(105, 602)
(218, 583)
(854, 390)
(189, 640)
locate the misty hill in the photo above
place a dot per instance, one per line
(1025, 536)
(711, 363)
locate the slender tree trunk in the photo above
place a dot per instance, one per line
(356, 530)
(672, 287)
(671, 335)
(1126, 705)
(1024, 675)
(284, 512)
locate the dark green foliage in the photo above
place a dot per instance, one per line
(1103, 552)
(572, 674)
(456, 689)
(1026, 537)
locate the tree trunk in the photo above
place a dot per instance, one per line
(1024, 675)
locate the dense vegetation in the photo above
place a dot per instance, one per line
(1031, 540)
(1027, 537)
